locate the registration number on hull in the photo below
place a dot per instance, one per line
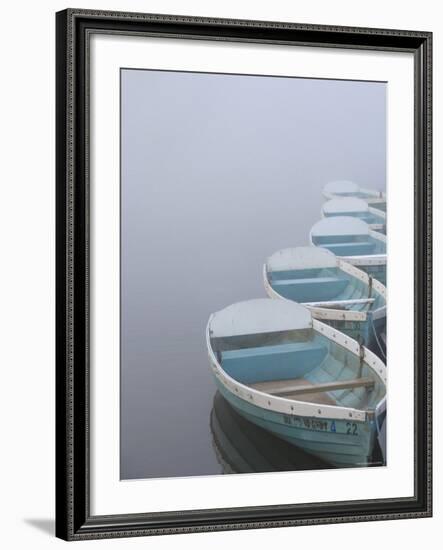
(306, 423)
(318, 425)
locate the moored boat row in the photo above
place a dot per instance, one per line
(335, 291)
(345, 188)
(307, 363)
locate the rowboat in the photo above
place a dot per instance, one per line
(352, 240)
(356, 208)
(346, 188)
(334, 291)
(298, 378)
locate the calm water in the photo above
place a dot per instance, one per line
(218, 172)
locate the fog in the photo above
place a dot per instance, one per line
(218, 172)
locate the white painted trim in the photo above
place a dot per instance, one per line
(377, 212)
(374, 259)
(268, 288)
(378, 236)
(380, 195)
(375, 201)
(353, 271)
(376, 364)
(380, 288)
(329, 314)
(331, 303)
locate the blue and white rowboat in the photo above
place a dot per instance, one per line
(352, 240)
(346, 188)
(298, 378)
(335, 292)
(356, 208)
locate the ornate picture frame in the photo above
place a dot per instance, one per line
(74, 518)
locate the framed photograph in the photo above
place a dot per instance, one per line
(243, 274)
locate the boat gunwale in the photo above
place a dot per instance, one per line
(373, 192)
(294, 407)
(378, 227)
(377, 235)
(375, 259)
(377, 212)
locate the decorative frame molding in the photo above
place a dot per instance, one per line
(73, 518)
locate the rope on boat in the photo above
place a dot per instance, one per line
(361, 353)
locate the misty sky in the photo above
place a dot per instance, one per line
(218, 172)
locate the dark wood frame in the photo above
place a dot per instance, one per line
(73, 518)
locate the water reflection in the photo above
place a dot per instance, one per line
(242, 447)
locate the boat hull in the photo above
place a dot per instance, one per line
(338, 442)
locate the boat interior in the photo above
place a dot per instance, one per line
(330, 284)
(302, 365)
(350, 245)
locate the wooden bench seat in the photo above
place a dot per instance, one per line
(301, 389)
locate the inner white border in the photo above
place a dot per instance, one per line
(108, 494)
